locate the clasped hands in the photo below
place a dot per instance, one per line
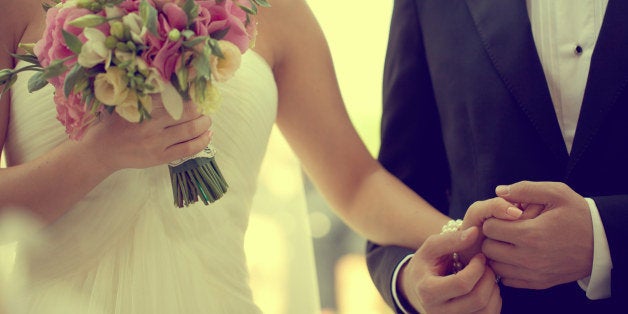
(532, 235)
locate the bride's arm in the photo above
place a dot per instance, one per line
(50, 184)
(314, 121)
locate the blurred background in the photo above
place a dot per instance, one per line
(278, 250)
(292, 229)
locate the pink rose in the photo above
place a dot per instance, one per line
(71, 112)
(52, 44)
(162, 53)
(175, 15)
(214, 17)
(132, 5)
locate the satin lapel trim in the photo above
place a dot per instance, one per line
(504, 27)
(608, 77)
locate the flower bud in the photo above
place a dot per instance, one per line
(27, 47)
(122, 47)
(88, 20)
(174, 34)
(84, 3)
(131, 45)
(111, 42)
(117, 29)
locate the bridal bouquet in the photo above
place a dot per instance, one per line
(103, 56)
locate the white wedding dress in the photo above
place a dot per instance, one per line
(125, 248)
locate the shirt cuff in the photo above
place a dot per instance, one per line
(598, 285)
(393, 284)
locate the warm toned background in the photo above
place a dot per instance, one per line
(357, 33)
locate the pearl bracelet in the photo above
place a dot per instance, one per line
(453, 226)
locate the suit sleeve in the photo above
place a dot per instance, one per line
(411, 145)
(612, 211)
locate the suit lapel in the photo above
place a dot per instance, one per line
(504, 28)
(608, 76)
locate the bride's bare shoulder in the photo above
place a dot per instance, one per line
(17, 17)
(285, 24)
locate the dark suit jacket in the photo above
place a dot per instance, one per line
(466, 108)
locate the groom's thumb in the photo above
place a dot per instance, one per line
(529, 192)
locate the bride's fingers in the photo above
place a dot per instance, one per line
(479, 298)
(186, 149)
(186, 131)
(160, 116)
(458, 285)
(496, 207)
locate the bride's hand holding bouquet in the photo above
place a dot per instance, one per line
(116, 144)
(124, 56)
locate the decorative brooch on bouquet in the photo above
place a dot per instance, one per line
(103, 56)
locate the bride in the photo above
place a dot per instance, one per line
(115, 241)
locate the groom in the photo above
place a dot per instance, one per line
(485, 93)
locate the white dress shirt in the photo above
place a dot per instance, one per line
(565, 33)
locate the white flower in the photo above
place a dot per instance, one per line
(135, 25)
(154, 79)
(172, 101)
(110, 87)
(128, 108)
(224, 68)
(94, 50)
(207, 97)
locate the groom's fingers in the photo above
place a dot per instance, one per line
(531, 211)
(532, 192)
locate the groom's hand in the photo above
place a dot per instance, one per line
(479, 212)
(553, 248)
(425, 281)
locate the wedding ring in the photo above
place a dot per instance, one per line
(498, 278)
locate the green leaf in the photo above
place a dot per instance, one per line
(37, 82)
(8, 85)
(191, 10)
(182, 75)
(262, 3)
(88, 20)
(6, 75)
(215, 49)
(73, 42)
(195, 41)
(55, 69)
(187, 34)
(201, 64)
(251, 10)
(220, 34)
(75, 75)
(148, 13)
(26, 57)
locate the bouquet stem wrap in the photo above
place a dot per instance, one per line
(197, 177)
